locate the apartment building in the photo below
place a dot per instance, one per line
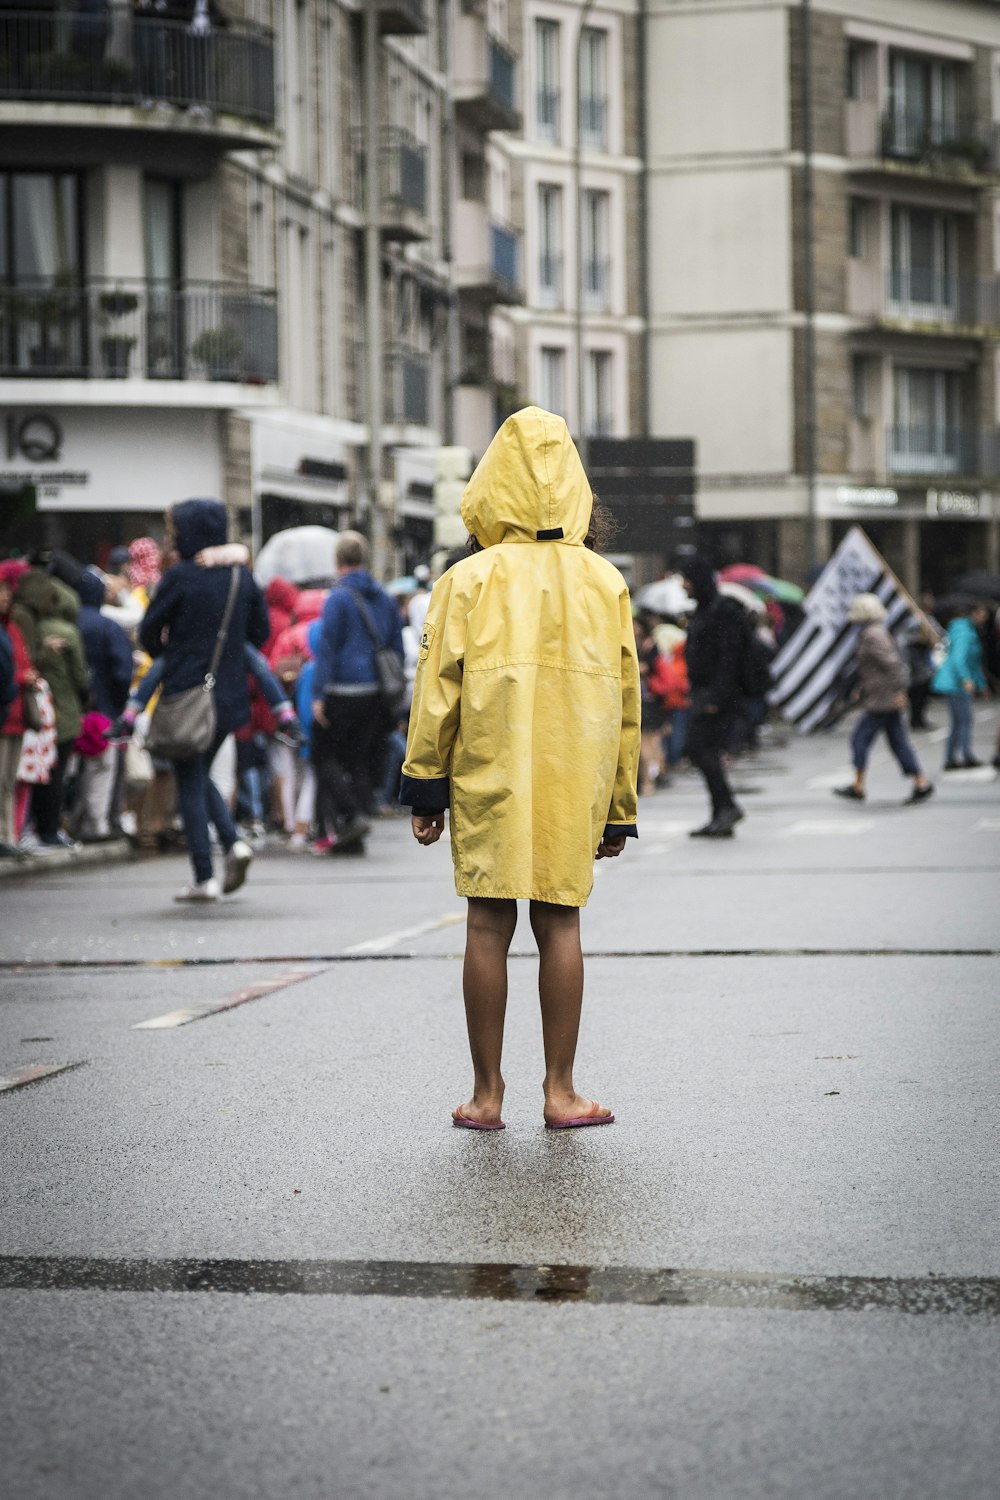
(189, 253)
(824, 203)
(573, 178)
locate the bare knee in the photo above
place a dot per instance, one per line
(549, 923)
(492, 918)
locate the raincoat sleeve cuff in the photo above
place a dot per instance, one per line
(621, 831)
(424, 796)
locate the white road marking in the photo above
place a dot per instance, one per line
(970, 774)
(989, 825)
(937, 735)
(827, 828)
(828, 782)
(33, 1072)
(390, 939)
(189, 1013)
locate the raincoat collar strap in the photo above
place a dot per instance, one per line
(553, 535)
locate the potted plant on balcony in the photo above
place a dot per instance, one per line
(219, 350)
(116, 346)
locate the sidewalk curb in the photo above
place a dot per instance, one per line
(116, 852)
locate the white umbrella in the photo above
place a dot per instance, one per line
(745, 596)
(665, 597)
(302, 555)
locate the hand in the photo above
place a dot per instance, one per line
(319, 714)
(900, 701)
(610, 848)
(31, 676)
(427, 827)
(968, 686)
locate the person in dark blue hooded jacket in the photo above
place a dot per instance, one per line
(182, 624)
(109, 657)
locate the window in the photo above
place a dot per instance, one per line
(595, 210)
(41, 254)
(550, 200)
(861, 387)
(860, 70)
(165, 340)
(594, 89)
(553, 380)
(923, 103)
(926, 435)
(547, 80)
(923, 273)
(599, 421)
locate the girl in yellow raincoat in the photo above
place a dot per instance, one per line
(525, 722)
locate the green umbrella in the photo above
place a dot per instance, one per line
(782, 590)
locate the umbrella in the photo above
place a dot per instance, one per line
(746, 598)
(979, 585)
(303, 555)
(747, 573)
(665, 597)
(781, 589)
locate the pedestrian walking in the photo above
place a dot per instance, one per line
(360, 619)
(109, 657)
(15, 721)
(184, 623)
(715, 642)
(882, 690)
(959, 678)
(525, 723)
(55, 608)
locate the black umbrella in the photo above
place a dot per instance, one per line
(980, 585)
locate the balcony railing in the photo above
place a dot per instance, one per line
(593, 122)
(401, 18)
(924, 295)
(916, 135)
(155, 330)
(402, 177)
(407, 389)
(117, 56)
(936, 450)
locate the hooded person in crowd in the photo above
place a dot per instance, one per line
(109, 656)
(882, 690)
(182, 624)
(55, 609)
(525, 724)
(13, 726)
(712, 653)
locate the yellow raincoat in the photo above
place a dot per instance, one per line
(526, 700)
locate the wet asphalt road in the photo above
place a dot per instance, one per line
(247, 1256)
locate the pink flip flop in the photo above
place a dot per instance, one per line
(577, 1124)
(464, 1123)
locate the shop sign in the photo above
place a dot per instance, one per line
(867, 497)
(957, 504)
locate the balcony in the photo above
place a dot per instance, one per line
(402, 184)
(925, 299)
(917, 138)
(487, 257)
(485, 83)
(165, 75)
(138, 330)
(939, 450)
(402, 18)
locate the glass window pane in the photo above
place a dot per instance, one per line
(46, 243)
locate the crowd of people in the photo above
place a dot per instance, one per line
(308, 736)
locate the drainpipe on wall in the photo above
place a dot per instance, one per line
(448, 176)
(581, 434)
(644, 398)
(809, 285)
(374, 519)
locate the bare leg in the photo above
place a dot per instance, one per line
(560, 990)
(488, 935)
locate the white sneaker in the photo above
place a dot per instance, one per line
(203, 890)
(237, 864)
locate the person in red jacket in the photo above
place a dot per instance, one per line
(12, 732)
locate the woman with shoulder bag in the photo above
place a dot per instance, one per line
(200, 619)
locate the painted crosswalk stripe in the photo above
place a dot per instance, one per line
(187, 1013)
(827, 828)
(391, 939)
(988, 825)
(34, 1073)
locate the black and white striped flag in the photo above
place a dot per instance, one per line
(814, 668)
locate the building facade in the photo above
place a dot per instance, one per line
(824, 190)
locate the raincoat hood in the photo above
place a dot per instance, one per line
(198, 524)
(65, 603)
(12, 571)
(280, 594)
(700, 574)
(529, 485)
(91, 589)
(37, 593)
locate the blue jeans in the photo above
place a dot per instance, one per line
(869, 727)
(959, 748)
(200, 803)
(677, 718)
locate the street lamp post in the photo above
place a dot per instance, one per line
(578, 197)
